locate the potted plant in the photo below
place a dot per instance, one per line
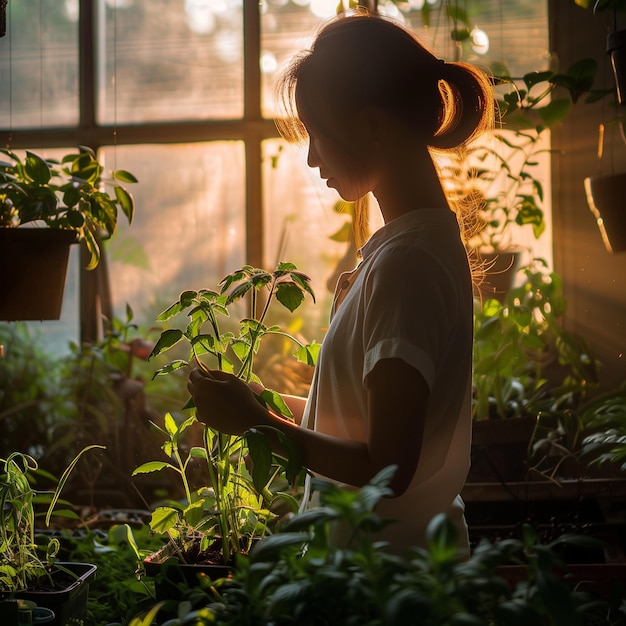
(29, 569)
(499, 174)
(231, 509)
(615, 41)
(62, 203)
(525, 363)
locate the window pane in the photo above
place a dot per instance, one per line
(303, 226)
(286, 28)
(162, 60)
(39, 64)
(189, 227)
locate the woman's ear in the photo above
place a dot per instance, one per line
(374, 125)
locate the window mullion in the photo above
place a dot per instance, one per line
(252, 113)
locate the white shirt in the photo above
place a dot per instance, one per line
(409, 298)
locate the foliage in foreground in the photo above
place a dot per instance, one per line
(296, 577)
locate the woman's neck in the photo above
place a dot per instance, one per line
(410, 182)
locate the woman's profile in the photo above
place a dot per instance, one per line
(392, 385)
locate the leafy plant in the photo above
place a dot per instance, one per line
(104, 394)
(297, 576)
(500, 174)
(518, 340)
(29, 384)
(117, 591)
(234, 506)
(68, 195)
(605, 420)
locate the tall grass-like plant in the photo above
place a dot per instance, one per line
(21, 560)
(234, 507)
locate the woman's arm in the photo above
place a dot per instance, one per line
(397, 400)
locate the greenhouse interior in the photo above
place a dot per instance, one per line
(215, 409)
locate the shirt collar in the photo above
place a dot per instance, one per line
(412, 221)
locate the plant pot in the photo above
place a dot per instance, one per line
(499, 270)
(172, 576)
(499, 450)
(605, 196)
(69, 604)
(616, 49)
(33, 267)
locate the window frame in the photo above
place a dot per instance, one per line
(251, 129)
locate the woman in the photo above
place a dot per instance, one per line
(393, 381)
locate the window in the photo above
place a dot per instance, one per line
(180, 93)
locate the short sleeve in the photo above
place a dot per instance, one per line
(411, 309)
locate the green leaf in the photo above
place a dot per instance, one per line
(164, 519)
(152, 466)
(167, 339)
(126, 202)
(170, 424)
(198, 453)
(260, 279)
(66, 475)
(460, 34)
(194, 512)
(308, 354)
(555, 111)
(75, 219)
(275, 401)
(285, 267)
(274, 544)
(239, 292)
(442, 537)
(37, 169)
(289, 295)
(534, 78)
(303, 281)
(261, 455)
(172, 366)
(124, 176)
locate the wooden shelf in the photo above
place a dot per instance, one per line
(593, 488)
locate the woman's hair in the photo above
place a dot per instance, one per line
(361, 60)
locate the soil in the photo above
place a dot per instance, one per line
(58, 581)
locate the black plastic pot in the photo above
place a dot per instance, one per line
(33, 267)
(172, 576)
(70, 603)
(605, 196)
(500, 449)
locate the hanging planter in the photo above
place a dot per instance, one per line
(33, 267)
(605, 196)
(69, 199)
(499, 268)
(616, 49)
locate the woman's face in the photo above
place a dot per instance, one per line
(351, 176)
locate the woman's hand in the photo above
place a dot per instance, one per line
(224, 402)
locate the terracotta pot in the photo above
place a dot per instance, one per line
(605, 196)
(33, 267)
